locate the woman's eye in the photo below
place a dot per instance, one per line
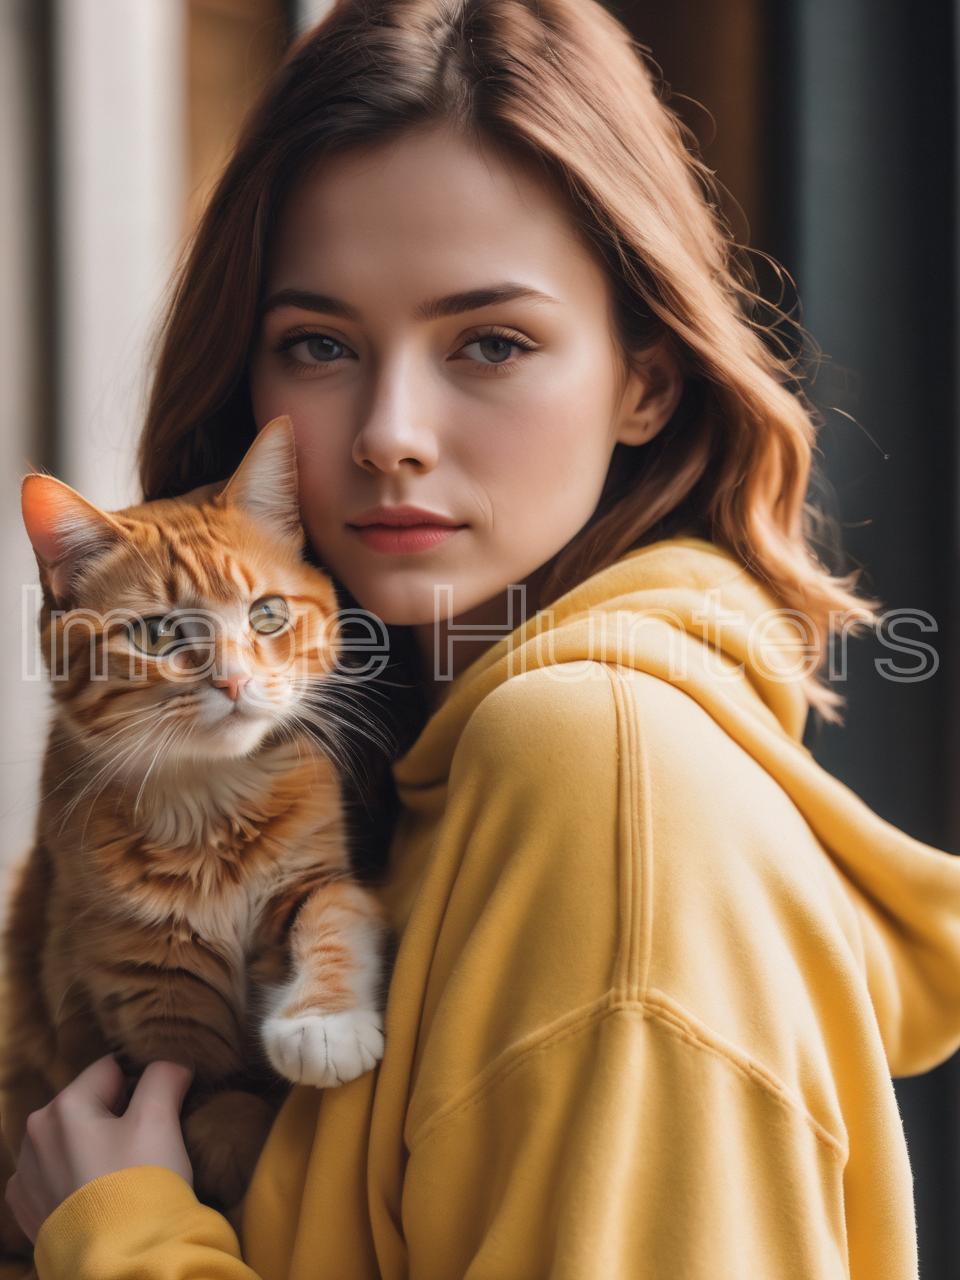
(269, 615)
(154, 636)
(491, 350)
(318, 350)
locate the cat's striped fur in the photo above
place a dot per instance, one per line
(189, 894)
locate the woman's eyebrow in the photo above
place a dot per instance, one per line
(322, 303)
(453, 304)
(475, 299)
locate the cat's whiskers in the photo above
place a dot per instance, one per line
(344, 718)
(111, 767)
(323, 699)
(116, 716)
(165, 742)
(113, 762)
(112, 770)
(326, 731)
(131, 720)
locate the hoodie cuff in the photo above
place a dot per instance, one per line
(142, 1222)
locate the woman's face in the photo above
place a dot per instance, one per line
(443, 343)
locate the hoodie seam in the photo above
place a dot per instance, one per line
(656, 1007)
(678, 1021)
(636, 842)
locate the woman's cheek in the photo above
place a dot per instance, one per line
(324, 451)
(542, 498)
(556, 444)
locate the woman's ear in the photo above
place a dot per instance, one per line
(654, 387)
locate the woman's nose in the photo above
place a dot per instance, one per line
(398, 431)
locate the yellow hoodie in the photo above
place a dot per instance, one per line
(655, 970)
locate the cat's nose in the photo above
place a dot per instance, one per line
(232, 683)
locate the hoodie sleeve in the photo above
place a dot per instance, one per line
(138, 1224)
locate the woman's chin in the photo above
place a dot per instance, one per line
(409, 600)
(397, 608)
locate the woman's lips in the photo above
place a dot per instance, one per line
(402, 541)
(402, 531)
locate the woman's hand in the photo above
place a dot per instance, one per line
(79, 1136)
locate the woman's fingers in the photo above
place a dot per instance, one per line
(79, 1136)
(153, 1118)
(101, 1086)
(163, 1086)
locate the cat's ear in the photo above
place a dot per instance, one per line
(265, 483)
(67, 532)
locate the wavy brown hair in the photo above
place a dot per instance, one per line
(560, 84)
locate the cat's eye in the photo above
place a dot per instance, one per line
(155, 636)
(269, 615)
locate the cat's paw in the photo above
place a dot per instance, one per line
(325, 1049)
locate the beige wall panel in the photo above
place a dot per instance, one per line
(711, 51)
(232, 47)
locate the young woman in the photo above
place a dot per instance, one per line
(654, 967)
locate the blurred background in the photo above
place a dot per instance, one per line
(832, 127)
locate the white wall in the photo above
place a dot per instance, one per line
(22, 704)
(119, 70)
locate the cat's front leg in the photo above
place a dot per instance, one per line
(325, 1027)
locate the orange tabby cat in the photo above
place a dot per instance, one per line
(189, 894)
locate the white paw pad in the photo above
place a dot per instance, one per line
(324, 1049)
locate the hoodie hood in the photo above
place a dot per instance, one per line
(685, 612)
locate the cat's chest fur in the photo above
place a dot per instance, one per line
(214, 850)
